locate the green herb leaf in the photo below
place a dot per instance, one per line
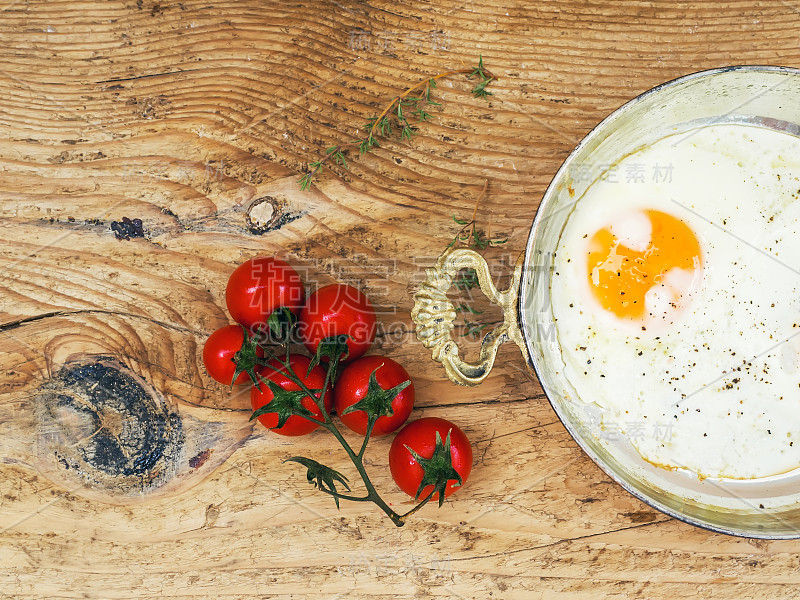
(421, 115)
(479, 69)
(468, 280)
(463, 307)
(305, 181)
(385, 127)
(438, 469)
(478, 240)
(321, 476)
(473, 329)
(479, 91)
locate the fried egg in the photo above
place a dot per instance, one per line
(676, 305)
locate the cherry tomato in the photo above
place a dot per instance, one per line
(295, 425)
(338, 310)
(219, 350)
(260, 285)
(352, 386)
(420, 436)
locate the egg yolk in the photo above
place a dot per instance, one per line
(620, 276)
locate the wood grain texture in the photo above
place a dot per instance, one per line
(187, 114)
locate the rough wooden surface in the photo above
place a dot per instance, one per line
(184, 115)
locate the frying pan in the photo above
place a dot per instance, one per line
(760, 96)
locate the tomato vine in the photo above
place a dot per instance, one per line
(438, 470)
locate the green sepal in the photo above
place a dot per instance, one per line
(281, 322)
(334, 347)
(284, 403)
(378, 401)
(438, 469)
(246, 358)
(321, 476)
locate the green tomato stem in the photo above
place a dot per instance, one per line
(366, 498)
(358, 463)
(418, 506)
(367, 435)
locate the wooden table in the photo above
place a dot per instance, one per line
(197, 117)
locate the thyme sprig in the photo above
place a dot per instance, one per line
(470, 236)
(403, 114)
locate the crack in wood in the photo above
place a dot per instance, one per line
(561, 541)
(89, 311)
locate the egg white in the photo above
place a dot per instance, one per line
(713, 386)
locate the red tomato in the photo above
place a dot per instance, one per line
(295, 425)
(338, 310)
(219, 350)
(352, 386)
(260, 285)
(420, 436)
